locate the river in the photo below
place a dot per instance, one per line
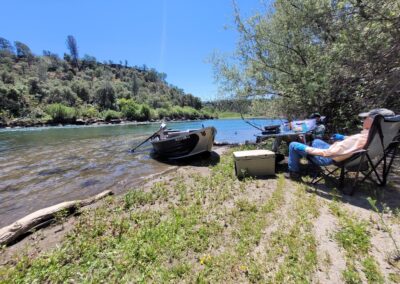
(40, 167)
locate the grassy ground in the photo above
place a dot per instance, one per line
(203, 225)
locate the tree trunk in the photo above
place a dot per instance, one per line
(11, 233)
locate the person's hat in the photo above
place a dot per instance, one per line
(376, 111)
(315, 115)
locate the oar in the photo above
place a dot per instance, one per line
(163, 125)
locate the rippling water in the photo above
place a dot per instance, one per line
(40, 167)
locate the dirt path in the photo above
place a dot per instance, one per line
(331, 258)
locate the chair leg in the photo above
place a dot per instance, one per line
(387, 170)
(355, 182)
(341, 180)
(391, 152)
(374, 168)
(318, 178)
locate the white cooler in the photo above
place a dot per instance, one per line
(254, 163)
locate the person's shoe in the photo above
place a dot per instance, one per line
(293, 176)
(279, 157)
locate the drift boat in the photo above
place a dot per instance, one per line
(177, 144)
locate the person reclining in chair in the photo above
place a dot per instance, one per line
(324, 154)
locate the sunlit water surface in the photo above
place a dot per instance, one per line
(40, 167)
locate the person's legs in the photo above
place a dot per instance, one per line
(320, 144)
(294, 157)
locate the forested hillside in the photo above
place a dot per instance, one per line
(48, 89)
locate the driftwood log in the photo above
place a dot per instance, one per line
(11, 233)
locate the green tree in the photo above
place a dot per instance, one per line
(88, 61)
(151, 76)
(42, 69)
(145, 113)
(23, 51)
(129, 108)
(73, 50)
(53, 60)
(335, 57)
(82, 90)
(63, 95)
(105, 96)
(7, 78)
(135, 85)
(6, 49)
(12, 99)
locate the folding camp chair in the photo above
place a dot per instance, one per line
(375, 160)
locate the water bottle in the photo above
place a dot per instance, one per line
(304, 127)
(286, 127)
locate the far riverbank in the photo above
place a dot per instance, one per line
(40, 123)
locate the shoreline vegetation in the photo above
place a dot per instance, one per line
(201, 224)
(23, 122)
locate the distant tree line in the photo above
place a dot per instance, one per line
(48, 87)
(337, 57)
(230, 105)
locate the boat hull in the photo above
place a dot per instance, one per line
(186, 144)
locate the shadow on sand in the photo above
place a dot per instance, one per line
(386, 196)
(200, 160)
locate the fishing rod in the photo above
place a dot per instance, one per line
(248, 122)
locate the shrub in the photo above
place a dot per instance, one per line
(129, 109)
(184, 112)
(12, 99)
(145, 113)
(62, 95)
(162, 113)
(7, 78)
(37, 112)
(111, 114)
(190, 113)
(60, 113)
(88, 111)
(4, 117)
(176, 112)
(82, 90)
(153, 114)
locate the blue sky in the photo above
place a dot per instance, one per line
(173, 36)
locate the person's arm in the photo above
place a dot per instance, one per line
(347, 146)
(330, 152)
